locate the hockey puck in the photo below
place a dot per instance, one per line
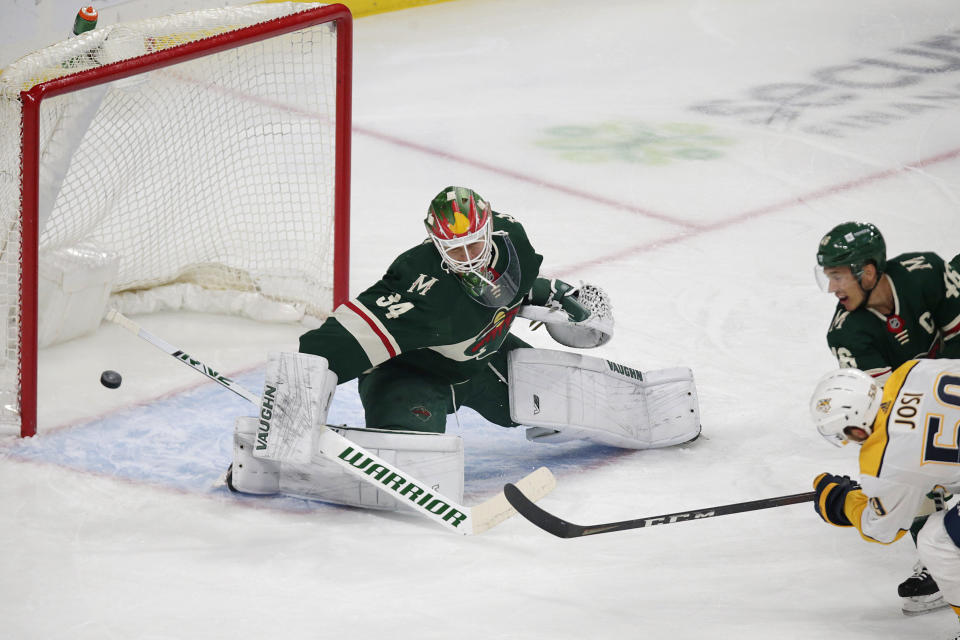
(110, 379)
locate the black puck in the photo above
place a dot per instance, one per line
(110, 379)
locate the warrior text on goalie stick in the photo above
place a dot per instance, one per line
(459, 518)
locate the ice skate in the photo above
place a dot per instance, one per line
(920, 593)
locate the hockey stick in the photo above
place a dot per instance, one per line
(115, 316)
(563, 529)
(371, 469)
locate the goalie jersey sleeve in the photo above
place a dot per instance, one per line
(914, 449)
(421, 314)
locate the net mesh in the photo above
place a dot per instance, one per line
(217, 172)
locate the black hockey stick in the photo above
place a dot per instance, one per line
(563, 529)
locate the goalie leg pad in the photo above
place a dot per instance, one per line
(434, 459)
(248, 473)
(600, 400)
(297, 392)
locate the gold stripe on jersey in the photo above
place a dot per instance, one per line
(822, 502)
(874, 448)
(853, 507)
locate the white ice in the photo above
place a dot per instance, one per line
(579, 119)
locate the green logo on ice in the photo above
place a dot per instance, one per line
(635, 142)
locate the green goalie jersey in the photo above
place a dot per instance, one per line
(925, 322)
(422, 315)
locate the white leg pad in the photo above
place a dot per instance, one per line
(250, 474)
(297, 392)
(434, 459)
(584, 397)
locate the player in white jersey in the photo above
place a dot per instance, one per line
(909, 432)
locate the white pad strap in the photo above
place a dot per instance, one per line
(250, 474)
(435, 459)
(599, 400)
(296, 397)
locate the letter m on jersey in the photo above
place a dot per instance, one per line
(421, 285)
(918, 262)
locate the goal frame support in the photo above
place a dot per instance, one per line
(30, 180)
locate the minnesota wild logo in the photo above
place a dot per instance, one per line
(421, 412)
(636, 142)
(494, 333)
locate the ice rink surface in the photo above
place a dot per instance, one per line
(685, 155)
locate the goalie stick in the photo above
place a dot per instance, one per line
(370, 468)
(563, 529)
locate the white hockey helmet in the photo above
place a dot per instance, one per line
(845, 398)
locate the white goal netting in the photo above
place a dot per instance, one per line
(208, 182)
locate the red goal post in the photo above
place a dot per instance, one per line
(203, 156)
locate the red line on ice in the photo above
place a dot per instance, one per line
(689, 229)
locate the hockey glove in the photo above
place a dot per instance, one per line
(557, 293)
(831, 497)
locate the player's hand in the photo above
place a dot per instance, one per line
(576, 312)
(559, 294)
(831, 495)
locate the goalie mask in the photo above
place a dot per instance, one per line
(460, 225)
(845, 398)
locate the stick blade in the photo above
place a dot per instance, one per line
(522, 502)
(489, 514)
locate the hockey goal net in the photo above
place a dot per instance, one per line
(197, 160)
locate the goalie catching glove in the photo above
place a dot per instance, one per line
(579, 317)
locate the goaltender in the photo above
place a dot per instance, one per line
(433, 334)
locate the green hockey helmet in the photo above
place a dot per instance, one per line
(854, 245)
(459, 217)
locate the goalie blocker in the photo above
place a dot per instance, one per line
(564, 396)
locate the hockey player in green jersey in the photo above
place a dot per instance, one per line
(436, 328)
(889, 312)
(909, 459)
(433, 334)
